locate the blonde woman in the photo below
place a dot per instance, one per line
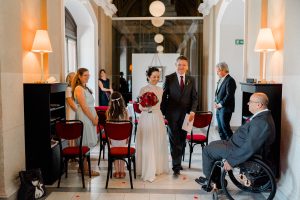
(86, 111)
(71, 107)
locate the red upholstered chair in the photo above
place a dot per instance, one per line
(137, 111)
(202, 121)
(102, 137)
(120, 130)
(103, 108)
(72, 130)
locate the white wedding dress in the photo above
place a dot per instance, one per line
(151, 139)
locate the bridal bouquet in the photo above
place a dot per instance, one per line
(148, 99)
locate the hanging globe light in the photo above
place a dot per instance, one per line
(158, 38)
(157, 8)
(157, 21)
(159, 48)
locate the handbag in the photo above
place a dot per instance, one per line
(32, 185)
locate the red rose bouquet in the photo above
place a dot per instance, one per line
(148, 99)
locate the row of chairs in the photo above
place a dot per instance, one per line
(119, 131)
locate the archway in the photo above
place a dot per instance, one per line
(87, 37)
(229, 32)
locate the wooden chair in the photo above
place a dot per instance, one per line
(72, 130)
(120, 130)
(102, 137)
(202, 121)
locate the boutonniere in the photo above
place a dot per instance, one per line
(187, 82)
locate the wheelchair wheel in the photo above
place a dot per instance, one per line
(253, 177)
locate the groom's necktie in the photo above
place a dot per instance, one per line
(181, 83)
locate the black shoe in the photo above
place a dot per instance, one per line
(180, 168)
(219, 186)
(176, 173)
(201, 180)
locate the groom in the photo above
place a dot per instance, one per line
(179, 98)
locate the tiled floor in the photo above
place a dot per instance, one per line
(165, 187)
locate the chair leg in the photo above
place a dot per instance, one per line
(130, 175)
(100, 152)
(66, 167)
(88, 157)
(81, 169)
(134, 167)
(183, 151)
(191, 151)
(108, 171)
(60, 172)
(104, 143)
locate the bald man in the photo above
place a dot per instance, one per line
(254, 137)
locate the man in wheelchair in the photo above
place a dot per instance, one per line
(254, 137)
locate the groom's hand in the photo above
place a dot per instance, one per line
(192, 116)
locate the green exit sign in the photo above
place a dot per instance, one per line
(239, 41)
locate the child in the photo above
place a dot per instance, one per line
(117, 111)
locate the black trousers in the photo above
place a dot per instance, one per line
(177, 138)
(223, 118)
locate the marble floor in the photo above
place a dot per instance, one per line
(165, 187)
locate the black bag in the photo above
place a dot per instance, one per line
(32, 185)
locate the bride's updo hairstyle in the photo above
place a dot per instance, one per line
(150, 71)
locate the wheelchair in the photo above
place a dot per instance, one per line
(252, 179)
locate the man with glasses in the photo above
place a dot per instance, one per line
(254, 137)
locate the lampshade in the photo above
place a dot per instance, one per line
(158, 38)
(157, 21)
(157, 8)
(41, 42)
(265, 41)
(160, 48)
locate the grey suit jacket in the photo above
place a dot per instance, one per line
(175, 103)
(252, 138)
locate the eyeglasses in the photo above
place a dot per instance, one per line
(250, 101)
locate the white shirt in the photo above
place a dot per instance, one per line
(179, 78)
(258, 113)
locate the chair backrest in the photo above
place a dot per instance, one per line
(118, 130)
(101, 117)
(202, 119)
(69, 129)
(136, 107)
(103, 108)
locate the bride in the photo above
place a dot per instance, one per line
(151, 144)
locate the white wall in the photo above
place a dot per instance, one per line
(284, 21)
(230, 26)
(141, 62)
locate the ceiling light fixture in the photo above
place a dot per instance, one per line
(157, 21)
(160, 48)
(158, 38)
(157, 8)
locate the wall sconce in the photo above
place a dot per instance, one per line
(157, 8)
(265, 43)
(41, 44)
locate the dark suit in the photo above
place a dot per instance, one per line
(225, 96)
(175, 104)
(254, 137)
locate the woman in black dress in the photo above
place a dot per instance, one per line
(104, 88)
